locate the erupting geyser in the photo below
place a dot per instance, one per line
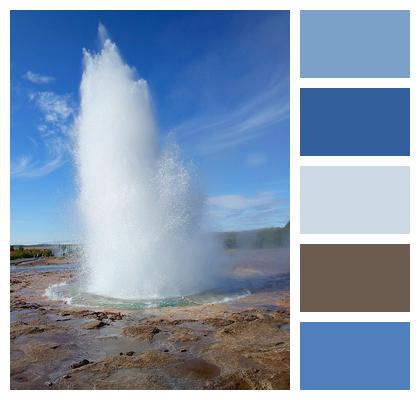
(140, 206)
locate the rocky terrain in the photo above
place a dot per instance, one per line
(241, 344)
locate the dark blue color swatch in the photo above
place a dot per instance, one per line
(355, 355)
(355, 122)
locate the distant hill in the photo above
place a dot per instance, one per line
(258, 239)
(42, 250)
(253, 239)
(35, 252)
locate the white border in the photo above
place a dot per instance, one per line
(294, 6)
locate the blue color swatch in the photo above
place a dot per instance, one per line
(355, 122)
(350, 44)
(355, 355)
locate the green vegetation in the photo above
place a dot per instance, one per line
(29, 252)
(258, 239)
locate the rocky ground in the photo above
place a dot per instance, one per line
(243, 344)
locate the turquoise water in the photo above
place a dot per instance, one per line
(72, 294)
(274, 262)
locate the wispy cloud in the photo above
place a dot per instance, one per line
(38, 78)
(25, 167)
(255, 159)
(56, 117)
(56, 108)
(239, 125)
(239, 202)
(237, 212)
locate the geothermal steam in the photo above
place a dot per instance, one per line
(140, 206)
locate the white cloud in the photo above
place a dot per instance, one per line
(19, 167)
(248, 121)
(238, 212)
(239, 202)
(25, 167)
(38, 78)
(255, 159)
(56, 108)
(56, 117)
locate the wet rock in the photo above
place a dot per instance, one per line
(99, 315)
(20, 328)
(252, 379)
(115, 316)
(248, 316)
(240, 380)
(182, 321)
(130, 353)
(22, 304)
(196, 368)
(183, 350)
(80, 364)
(183, 335)
(141, 332)
(149, 359)
(95, 324)
(107, 315)
(218, 322)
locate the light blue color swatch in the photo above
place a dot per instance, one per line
(355, 44)
(355, 200)
(355, 355)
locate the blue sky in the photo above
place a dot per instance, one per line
(219, 82)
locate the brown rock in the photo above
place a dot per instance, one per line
(80, 364)
(95, 324)
(141, 332)
(217, 322)
(183, 335)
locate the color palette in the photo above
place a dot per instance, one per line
(355, 277)
(355, 44)
(355, 355)
(354, 199)
(355, 122)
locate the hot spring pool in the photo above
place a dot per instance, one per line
(74, 295)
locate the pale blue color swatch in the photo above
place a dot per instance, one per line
(355, 44)
(353, 200)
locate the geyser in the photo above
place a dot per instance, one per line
(140, 205)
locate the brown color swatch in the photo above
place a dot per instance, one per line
(355, 277)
